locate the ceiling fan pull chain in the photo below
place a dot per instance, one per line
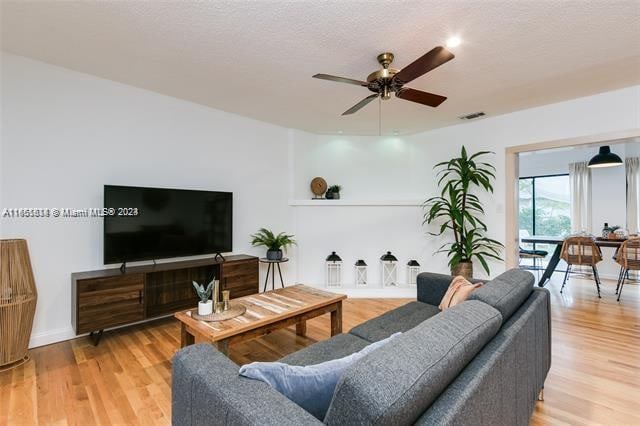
(379, 116)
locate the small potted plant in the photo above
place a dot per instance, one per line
(333, 192)
(274, 243)
(205, 306)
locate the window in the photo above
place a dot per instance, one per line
(545, 207)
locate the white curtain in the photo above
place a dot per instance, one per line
(632, 166)
(580, 185)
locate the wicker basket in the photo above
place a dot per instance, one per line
(18, 297)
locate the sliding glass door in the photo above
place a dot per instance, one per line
(545, 207)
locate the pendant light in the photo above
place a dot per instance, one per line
(605, 158)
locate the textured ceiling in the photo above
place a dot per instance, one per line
(256, 58)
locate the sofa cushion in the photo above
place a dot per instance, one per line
(401, 319)
(338, 346)
(309, 386)
(506, 292)
(398, 382)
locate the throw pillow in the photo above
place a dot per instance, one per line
(310, 386)
(459, 290)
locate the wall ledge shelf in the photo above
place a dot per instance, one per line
(361, 203)
(376, 292)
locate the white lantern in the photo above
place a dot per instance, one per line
(413, 269)
(389, 270)
(361, 273)
(334, 270)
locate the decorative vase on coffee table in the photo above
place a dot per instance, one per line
(205, 308)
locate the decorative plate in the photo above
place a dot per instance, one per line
(318, 186)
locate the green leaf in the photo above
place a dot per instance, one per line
(483, 262)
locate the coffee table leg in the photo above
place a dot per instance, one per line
(301, 328)
(223, 346)
(336, 319)
(186, 338)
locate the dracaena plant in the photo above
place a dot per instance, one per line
(459, 211)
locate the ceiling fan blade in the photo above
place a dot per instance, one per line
(430, 60)
(424, 98)
(360, 104)
(340, 79)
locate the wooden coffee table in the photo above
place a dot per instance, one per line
(266, 312)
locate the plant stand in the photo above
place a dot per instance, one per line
(271, 269)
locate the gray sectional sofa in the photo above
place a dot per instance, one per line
(481, 362)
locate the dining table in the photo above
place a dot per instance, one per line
(555, 257)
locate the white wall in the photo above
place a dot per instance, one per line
(367, 171)
(387, 178)
(368, 168)
(66, 134)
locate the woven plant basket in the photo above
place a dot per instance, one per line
(18, 297)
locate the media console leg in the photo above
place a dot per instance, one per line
(95, 337)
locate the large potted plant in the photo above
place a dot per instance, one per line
(274, 243)
(459, 211)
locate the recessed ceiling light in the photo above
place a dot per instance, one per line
(340, 132)
(453, 41)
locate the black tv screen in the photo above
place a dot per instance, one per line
(156, 223)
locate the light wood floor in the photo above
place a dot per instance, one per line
(594, 379)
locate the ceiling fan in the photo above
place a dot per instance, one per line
(387, 80)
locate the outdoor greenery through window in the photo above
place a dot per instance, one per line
(545, 207)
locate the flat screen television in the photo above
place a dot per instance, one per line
(157, 223)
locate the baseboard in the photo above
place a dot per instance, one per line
(53, 336)
(381, 293)
(62, 334)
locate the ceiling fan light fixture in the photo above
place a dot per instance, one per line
(605, 158)
(386, 81)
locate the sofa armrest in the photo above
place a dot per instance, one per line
(207, 390)
(432, 287)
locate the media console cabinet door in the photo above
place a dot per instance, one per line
(109, 302)
(240, 278)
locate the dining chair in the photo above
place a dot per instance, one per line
(628, 257)
(532, 254)
(582, 251)
(535, 255)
